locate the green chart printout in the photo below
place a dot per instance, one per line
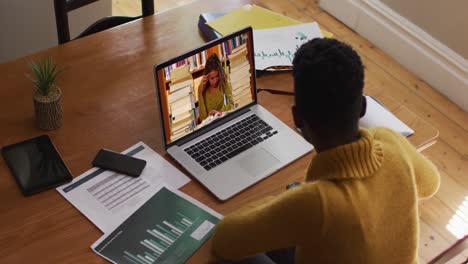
(168, 228)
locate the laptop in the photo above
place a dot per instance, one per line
(215, 128)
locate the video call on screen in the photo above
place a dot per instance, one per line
(205, 86)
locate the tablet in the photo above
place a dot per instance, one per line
(36, 165)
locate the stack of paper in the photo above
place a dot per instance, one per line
(254, 16)
(145, 219)
(168, 228)
(276, 37)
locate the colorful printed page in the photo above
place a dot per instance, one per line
(255, 16)
(276, 46)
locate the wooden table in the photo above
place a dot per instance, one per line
(109, 101)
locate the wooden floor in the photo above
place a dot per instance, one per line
(450, 153)
(133, 7)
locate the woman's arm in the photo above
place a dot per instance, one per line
(290, 219)
(426, 173)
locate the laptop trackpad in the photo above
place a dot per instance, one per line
(258, 161)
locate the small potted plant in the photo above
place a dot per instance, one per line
(47, 95)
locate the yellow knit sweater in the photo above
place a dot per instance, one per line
(215, 101)
(359, 204)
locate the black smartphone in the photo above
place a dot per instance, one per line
(121, 163)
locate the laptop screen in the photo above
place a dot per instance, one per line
(200, 88)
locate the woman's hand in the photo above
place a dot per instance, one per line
(215, 113)
(202, 87)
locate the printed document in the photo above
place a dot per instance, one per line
(168, 228)
(108, 198)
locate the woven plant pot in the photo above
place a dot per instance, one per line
(48, 109)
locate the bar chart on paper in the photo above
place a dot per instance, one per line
(166, 229)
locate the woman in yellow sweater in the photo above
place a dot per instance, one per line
(214, 91)
(359, 200)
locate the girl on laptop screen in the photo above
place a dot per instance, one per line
(215, 93)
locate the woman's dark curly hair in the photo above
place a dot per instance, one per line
(328, 82)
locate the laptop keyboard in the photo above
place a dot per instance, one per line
(227, 143)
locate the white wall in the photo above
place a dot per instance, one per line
(28, 26)
(429, 58)
(447, 21)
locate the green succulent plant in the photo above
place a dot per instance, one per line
(44, 75)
